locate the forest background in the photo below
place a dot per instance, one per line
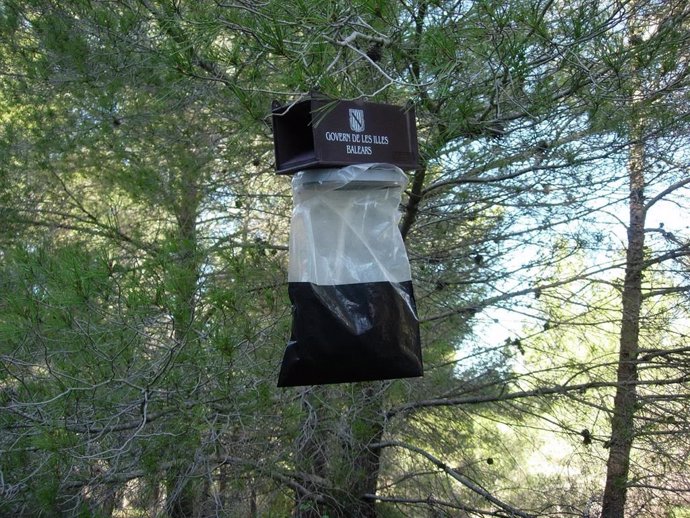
(143, 251)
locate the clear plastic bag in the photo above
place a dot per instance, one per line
(354, 315)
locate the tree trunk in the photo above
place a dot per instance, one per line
(366, 428)
(622, 423)
(623, 419)
(311, 453)
(183, 489)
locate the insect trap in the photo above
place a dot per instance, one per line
(349, 281)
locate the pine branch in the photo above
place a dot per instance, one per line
(469, 484)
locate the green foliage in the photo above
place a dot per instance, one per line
(143, 267)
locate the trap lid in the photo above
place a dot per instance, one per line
(318, 133)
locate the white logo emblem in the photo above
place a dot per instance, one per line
(356, 120)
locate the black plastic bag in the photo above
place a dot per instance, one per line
(354, 315)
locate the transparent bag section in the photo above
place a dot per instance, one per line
(345, 226)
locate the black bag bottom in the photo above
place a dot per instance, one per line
(351, 332)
